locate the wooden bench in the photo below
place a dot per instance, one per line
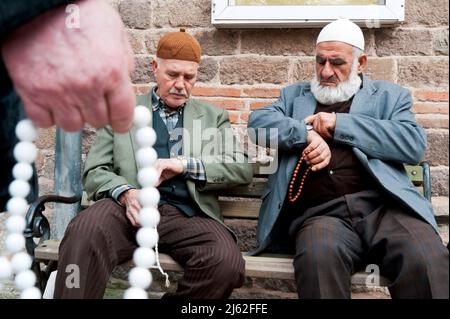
(239, 203)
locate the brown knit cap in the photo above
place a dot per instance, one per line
(179, 46)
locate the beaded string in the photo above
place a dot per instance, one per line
(292, 198)
(17, 261)
(144, 257)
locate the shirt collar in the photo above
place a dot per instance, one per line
(158, 104)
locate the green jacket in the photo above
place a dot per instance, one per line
(111, 160)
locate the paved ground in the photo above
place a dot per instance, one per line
(115, 290)
(117, 287)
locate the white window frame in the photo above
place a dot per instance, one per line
(224, 15)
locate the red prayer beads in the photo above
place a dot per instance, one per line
(292, 198)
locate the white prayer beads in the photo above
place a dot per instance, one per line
(144, 257)
(148, 196)
(17, 206)
(142, 117)
(140, 277)
(135, 293)
(15, 224)
(15, 243)
(147, 237)
(147, 176)
(146, 156)
(25, 131)
(21, 262)
(25, 153)
(22, 171)
(19, 188)
(149, 217)
(146, 137)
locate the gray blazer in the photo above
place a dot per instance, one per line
(380, 128)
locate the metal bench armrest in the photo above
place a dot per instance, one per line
(37, 225)
(426, 180)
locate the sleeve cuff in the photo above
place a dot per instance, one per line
(119, 190)
(195, 169)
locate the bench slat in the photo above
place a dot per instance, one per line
(240, 209)
(255, 266)
(255, 189)
(269, 267)
(48, 250)
(252, 190)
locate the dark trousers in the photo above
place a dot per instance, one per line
(338, 238)
(101, 237)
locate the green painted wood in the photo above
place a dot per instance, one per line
(415, 174)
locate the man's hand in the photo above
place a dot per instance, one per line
(324, 123)
(168, 168)
(129, 199)
(69, 76)
(319, 154)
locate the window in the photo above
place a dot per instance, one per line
(305, 13)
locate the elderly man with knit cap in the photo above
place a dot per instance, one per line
(341, 198)
(191, 228)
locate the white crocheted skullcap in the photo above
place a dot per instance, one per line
(342, 30)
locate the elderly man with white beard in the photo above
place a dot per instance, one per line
(341, 198)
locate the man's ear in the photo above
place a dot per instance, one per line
(154, 66)
(362, 63)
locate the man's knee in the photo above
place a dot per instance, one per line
(422, 262)
(319, 241)
(89, 226)
(322, 256)
(229, 266)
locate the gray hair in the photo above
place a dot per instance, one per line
(357, 52)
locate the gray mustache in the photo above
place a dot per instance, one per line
(182, 93)
(332, 78)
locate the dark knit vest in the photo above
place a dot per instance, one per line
(173, 191)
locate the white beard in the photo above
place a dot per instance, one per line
(342, 92)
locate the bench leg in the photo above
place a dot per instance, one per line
(42, 272)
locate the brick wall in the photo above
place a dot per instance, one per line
(244, 69)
